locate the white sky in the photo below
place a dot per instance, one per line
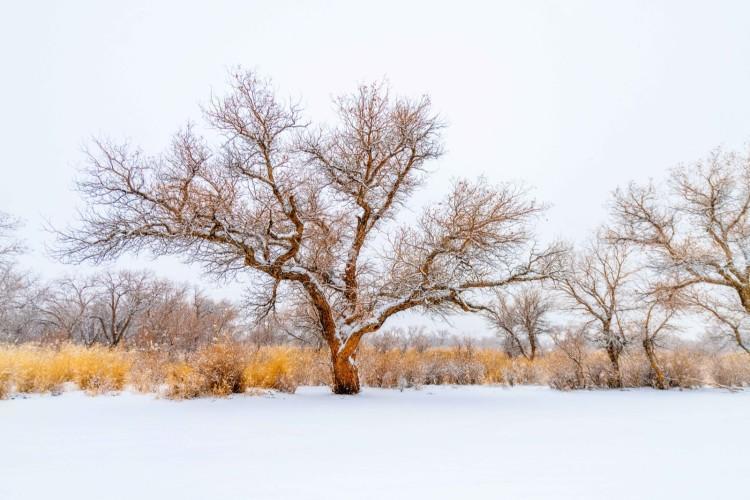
(572, 98)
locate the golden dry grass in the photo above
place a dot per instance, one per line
(225, 368)
(32, 368)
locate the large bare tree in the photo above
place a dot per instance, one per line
(696, 233)
(310, 212)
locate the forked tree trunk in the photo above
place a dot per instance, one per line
(659, 378)
(345, 375)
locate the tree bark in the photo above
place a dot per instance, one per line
(613, 352)
(345, 374)
(659, 378)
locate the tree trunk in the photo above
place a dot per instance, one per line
(532, 344)
(659, 378)
(345, 375)
(613, 352)
(580, 376)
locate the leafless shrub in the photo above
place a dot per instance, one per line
(215, 370)
(684, 368)
(566, 366)
(731, 370)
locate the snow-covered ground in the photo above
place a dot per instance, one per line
(434, 443)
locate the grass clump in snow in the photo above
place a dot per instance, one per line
(278, 368)
(4, 384)
(34, 368)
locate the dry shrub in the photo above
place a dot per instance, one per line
(222, 366)
(562, 373)
(150, 370)
(731, 370)
(214, 370)
(457, 365)
(598, 370)
(184, 382)
(683, 368)
(521, 371)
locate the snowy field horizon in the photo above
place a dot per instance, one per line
(331, 250)
(472, 442)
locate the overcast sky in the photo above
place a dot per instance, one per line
(570, 98)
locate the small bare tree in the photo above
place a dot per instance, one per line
(65, 311)
(18, 294)
(120, 298)
(595, 282)
(696, 233)
(520, 320)
(656, 311)
(310, 213)
(16, 287)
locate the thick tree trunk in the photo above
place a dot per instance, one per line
(659, 379)
(345, 375)
(613, 352)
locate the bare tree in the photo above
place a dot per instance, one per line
(596, 283)
(696, 233)
(65, 311)
(310, 212)
(120, 298)
(656, 311)
(181, 318)
(17, 288)
(520, 320)
(18, 294)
